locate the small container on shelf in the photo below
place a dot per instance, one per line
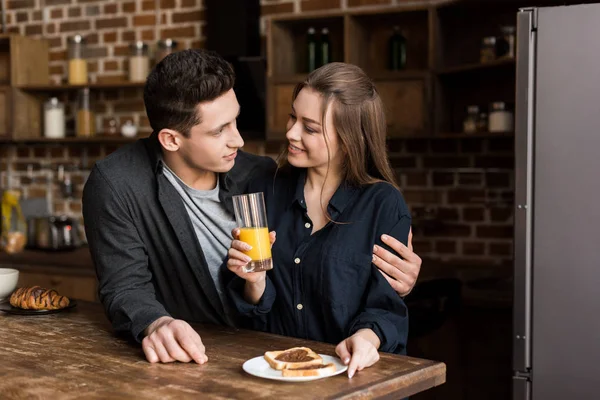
(500, 119)
(164, 48)
(78, 70)
(139, 62)
(54, 119)
(129, 129)
(488, 49)
(505, 44)
(397, 50)
(86, 118)
(471, 120)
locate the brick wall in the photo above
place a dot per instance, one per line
(460, 190)
(110, 26)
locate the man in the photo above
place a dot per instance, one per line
(158, 213)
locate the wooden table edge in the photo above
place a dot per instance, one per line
(394, 388)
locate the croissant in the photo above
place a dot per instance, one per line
(38, 298)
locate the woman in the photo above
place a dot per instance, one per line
(330, 200)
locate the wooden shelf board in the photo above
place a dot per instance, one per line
(307, 16)
(398, 75)
(463, 135)
(293, 78)
(61, 88)
(478, 67)
(71, 140)
(410, 7)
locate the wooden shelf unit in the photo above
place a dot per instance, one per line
(93, 86)
(98, 139)
(443, 74)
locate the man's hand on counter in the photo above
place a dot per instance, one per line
(168, 340)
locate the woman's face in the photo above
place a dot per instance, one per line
(306, 136)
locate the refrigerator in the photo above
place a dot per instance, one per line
(556, 327)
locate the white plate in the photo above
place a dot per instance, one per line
(258, 366)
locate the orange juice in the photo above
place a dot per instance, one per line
(258, 238)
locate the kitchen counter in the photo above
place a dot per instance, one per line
(73, 354)
(78, 261)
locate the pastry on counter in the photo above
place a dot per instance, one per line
(38, 298)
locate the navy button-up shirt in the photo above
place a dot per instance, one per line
(323, 286)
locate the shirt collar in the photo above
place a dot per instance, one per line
(156, 158)
(340, 199)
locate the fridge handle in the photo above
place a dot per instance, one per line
(524, 126)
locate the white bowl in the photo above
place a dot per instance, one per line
(8, 282)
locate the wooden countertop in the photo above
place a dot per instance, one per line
(78, 261)
(74, 354)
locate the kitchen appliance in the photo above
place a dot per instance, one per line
(557, 217)
(53, 233)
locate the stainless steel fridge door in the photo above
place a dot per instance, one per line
(523, 189)
(566, 213)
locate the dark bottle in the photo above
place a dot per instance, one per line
(311, 50)
(397, 50)
(325, 48)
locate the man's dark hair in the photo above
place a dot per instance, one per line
(179, 82)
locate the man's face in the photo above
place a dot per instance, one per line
(212, 145)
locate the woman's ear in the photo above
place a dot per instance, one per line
(169, 139)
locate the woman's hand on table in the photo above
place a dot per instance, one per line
(401, 273)
(359, 351)
(168, 340)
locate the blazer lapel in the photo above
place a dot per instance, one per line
(175, 210)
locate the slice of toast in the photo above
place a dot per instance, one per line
(294, 358)
(311, 370)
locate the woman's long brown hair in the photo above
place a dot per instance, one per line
(359, 119)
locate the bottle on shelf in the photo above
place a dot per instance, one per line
(482, 122)
(397, 50)
(471, 120)
(54, 119)
(78, 71)
(139, 62)
(311, 49)
(505, 44)
(325, 47)
(86, 119)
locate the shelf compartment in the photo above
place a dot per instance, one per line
(287, 49)
(368, 36)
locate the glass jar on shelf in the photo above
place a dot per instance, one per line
(78, 71)
(54, 119)
(470, 121)
(139, 62)
(488, 49)
(501, 118)
(164, 48)
(86, 118)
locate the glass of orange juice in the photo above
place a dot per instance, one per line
(251, 217)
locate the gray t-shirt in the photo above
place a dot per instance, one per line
(213, 225)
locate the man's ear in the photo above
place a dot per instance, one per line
(169, 139)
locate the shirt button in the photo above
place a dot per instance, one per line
(297, 260)
(299, 306)
(307, 225)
